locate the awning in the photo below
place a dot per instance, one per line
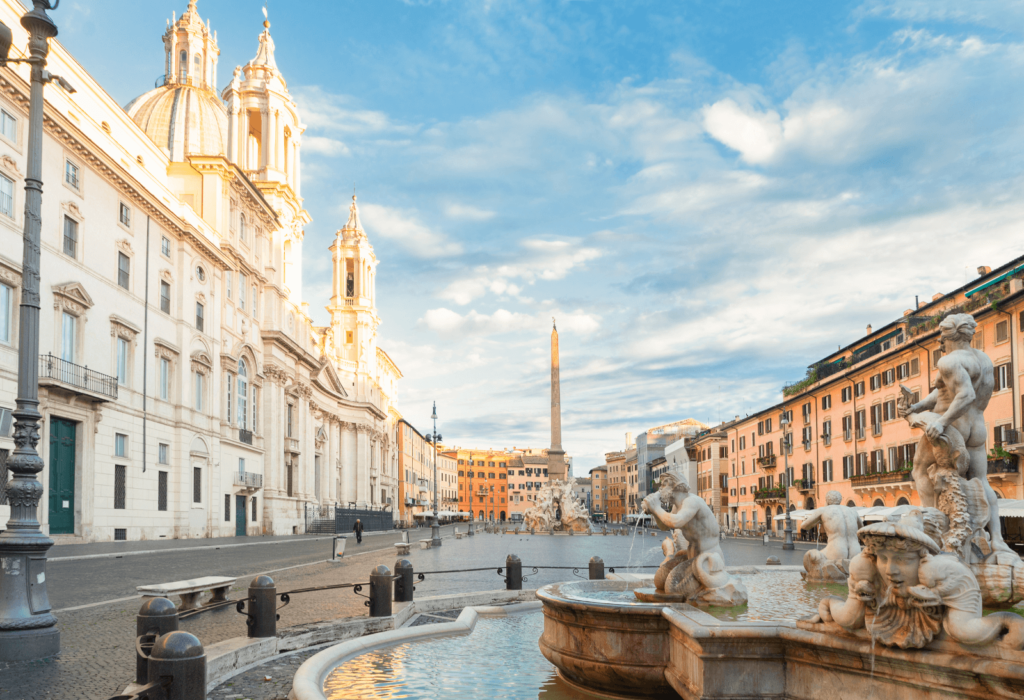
(879, 513)
(1011, 508)
(988, 284)
(440, 514)
(797, 514)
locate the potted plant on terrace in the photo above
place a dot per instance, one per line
(1000, 461)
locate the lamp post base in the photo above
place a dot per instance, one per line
(29, 645)
(788, 544)
(435, 534)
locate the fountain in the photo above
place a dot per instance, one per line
(558, 509)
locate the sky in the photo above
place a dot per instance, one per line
(708, 196)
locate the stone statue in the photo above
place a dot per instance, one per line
(903, 591)
(694, 568)
(557, 507)
(953, 420)
(841, 524)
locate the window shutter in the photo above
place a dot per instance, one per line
(915, 366)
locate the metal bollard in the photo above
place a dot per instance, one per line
(596, 569)
(513, 573)
(262, 620)
(179, 655)
(470, 533)
(404, 586)
(156, 616)
(380, 592)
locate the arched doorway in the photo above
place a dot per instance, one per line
(879, 502)
(768, 518)
(481, 516)
(492, 515)
(502, 515)
(851, 504)
(809, 505)
(780, 524)
(903, 501)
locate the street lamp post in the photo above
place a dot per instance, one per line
(435, 530)
(788, 544)
(27, 627)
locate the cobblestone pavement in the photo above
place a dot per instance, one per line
(97, 643)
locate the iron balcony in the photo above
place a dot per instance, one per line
(249, 480)
(53, 371)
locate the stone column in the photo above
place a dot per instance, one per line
(264, 137)
(348, 459)
(298, 173)
(233, 134)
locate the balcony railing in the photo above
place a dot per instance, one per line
(880, 478)
(803, 485)
(248, 480)
(245, 436)
(773, 494)
(767, 462)
(77, 376)
(807, 444)
(1003, 466)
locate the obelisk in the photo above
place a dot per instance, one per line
(556, 456)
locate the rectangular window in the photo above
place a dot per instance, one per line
(241, 291)
(161, 496)
(120, 485)
(8, 126)
(1003, 377)
(979, 339)
(915, 367)
(228, 281)
(253, 499)
(67, 337)
(120, 445)
(123, 270)
(227, 507)
(743, 442)
(199, 317)
(889, 377)
(125, 215)
(889, 410)
(197, 484)
(165, 297)
(165, 379)
(876, 382)
(254, 300)
(6, 196)
(826, 470)
(893, 458)
(846, 394)
(1002, 331)
(936, 356)
(70, 237)
(165, 247)
(289, 420)
(71, 174)
(768, 425)
(255, 410)
(826, 402)
(847, 466)
(122, 362)
(198, 392)
(858, 389)
(6, 312)
(163, 452)
(903, 371)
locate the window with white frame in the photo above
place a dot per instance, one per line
(241, 228)
(241, 291)
(68, 328)
(165, 247)
(163, 453)
(165, 297)
(120, 445)
(1003, 377)
(199, 316)
(122, 362)
(6, 196)
(243, 395)
(71, 174)
(70, 237)
(227, 280)
(198, 389)
(255, 300)
(165, 379)
(8, 126)
(124, 215)
(123, 270)
(6, 312)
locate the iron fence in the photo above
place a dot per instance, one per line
(52, 367)
(335, 519)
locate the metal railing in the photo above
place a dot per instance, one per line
(880, 478)
(1003, 466)
(249, 480)
(773, 494)
(245, 436)
(768, 462)
(52, 367)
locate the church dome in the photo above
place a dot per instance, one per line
(184, 119)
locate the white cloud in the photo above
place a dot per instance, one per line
(541, 259)
(404, 228)
(468, 212)
(446, 321)
(332, 112)
(324, 145)
(756, 135)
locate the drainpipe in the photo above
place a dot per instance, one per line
(145, 349)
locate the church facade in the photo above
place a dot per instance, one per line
(184, 387)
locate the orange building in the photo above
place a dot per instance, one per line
(615, 464)
(483, 482)
(527, 474)
(842, 428)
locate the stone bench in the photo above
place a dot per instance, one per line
(458, 535)
(190, 590)
(402, 547)
(425, 544)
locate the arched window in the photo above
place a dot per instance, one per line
(243, 396)
(903, 502)
(851, 504)
(878, 502)
(183, 65)
(197, 67)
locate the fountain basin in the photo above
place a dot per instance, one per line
(600, 640)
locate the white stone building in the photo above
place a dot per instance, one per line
(184, 389)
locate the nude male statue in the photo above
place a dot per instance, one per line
(961, 395)
(840, 524)
(698, 573)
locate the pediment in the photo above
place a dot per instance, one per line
(73, 291)
(328, 379)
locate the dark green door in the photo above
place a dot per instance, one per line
(62, 477)
(240, 516)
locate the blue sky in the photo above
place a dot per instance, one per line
(709, 196)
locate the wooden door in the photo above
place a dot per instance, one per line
(62, 477)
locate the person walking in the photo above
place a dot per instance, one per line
(358, 529)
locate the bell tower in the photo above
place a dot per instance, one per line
(353, 306)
